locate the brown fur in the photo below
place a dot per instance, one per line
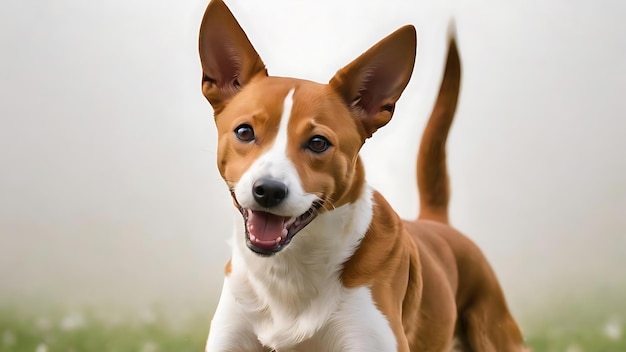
(432, 282)
(432, 174)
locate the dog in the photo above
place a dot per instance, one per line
(320, 261)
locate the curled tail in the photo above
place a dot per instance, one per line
(432, 174)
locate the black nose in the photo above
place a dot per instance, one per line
(269, 192)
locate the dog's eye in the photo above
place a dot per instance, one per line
(318, 144)
(244, 133)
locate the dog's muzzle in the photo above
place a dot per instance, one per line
(266, 233)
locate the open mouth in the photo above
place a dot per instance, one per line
(268, 234)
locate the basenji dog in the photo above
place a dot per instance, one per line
(320, 261)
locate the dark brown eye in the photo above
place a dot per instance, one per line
(244, 133)
(318, 144)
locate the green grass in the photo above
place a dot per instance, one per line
(571, 334)
(590, 320)
(576, 341)
(99, 331)
(563, 328)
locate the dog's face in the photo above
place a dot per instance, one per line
(288, 148)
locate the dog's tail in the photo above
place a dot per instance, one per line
(432, 174)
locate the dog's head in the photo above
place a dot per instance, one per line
(288, 148)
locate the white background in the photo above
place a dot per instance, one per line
(108, 183)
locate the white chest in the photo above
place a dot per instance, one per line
(339, 320)
(295, 300)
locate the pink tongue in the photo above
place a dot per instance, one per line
(265, 226)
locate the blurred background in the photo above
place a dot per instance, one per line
(114, 221)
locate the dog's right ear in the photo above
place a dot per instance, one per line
(228, 59)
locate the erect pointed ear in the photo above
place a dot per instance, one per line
(373, 82)
(228, 59)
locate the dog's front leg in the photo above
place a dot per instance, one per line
(359, 326)
(230, 330)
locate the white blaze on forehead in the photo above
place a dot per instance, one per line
(280, 142)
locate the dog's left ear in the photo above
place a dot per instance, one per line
(373, 82)
(229, 61)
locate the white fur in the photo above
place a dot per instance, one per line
(294, 300)
(276, 164)
(280, 142)
(230, 328)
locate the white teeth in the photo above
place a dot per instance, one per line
(290, 221)
(285, 232)
(278, 240)
(252, 237)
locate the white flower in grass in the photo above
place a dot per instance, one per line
(72, 321)
(42, 348)
(613, 329)
(9, 338)
(149, 346)
(574, 348)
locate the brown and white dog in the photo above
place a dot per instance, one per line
(320, 261)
